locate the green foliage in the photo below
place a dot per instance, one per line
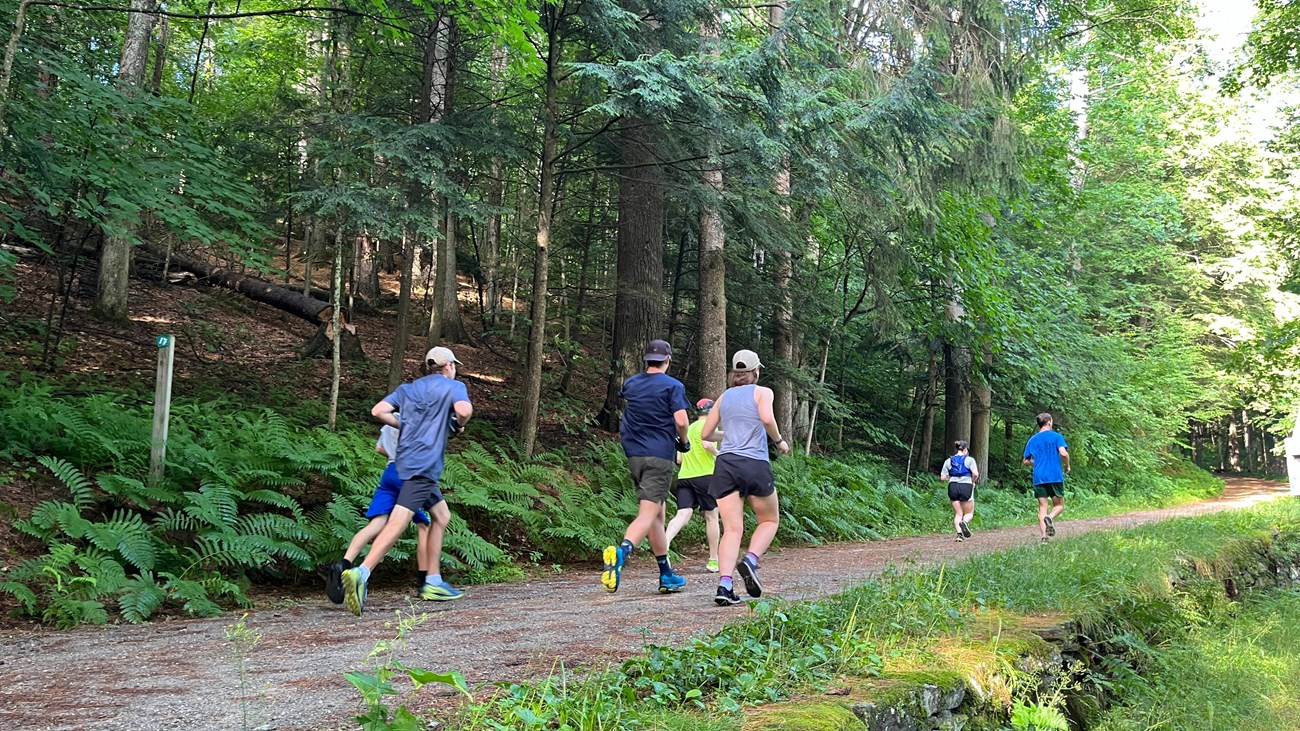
(1037, 718)
(1119, 583)
(376, 682)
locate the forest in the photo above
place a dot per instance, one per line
(932, 219)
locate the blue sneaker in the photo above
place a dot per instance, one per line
(613, 572)
(443, 592)
(671, 583)
(354, 591)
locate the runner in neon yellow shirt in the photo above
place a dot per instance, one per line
(693, 485)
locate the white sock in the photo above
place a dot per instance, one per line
(433, 579)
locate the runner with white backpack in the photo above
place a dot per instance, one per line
(961, 472)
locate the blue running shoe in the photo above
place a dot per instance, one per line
(443, 592)
(354, 591)
(671, 583)
(613, 572)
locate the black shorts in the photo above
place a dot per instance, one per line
(746, 475)
(1049, 489)
(962, 492)
(693, 492)
(419, 493)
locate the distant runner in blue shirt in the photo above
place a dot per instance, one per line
(1048, 454)
(654, 430)
(425, 412)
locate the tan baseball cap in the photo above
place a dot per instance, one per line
(440, 356)
(745, 360)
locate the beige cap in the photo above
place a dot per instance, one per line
(745, 360)
(440, 356)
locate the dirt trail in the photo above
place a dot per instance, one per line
(179, 674)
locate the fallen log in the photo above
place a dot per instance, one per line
(281, 298)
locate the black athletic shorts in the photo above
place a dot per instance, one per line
(419, 493)
(746, 475)
(961, 491)
(693, 492)
(1049, 489)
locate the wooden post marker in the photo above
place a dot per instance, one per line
(162, 406)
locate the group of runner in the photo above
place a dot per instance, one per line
(716, 465)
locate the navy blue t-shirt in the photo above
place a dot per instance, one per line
(1043, 448)
(424, 407)
(648, 425)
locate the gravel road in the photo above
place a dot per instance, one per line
(180, 674)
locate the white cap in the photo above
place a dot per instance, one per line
(745, 360)
(440, 356)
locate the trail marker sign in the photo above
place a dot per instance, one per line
(162, 407)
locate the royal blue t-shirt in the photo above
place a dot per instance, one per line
(424, 408)
(648, 428)
(1047, 461)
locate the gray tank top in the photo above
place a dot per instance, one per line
(742, 432)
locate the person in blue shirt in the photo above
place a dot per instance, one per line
(1048, 454)
(425, 412)
(653, 430)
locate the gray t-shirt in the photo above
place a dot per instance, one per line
(968, 478)
(388, 442)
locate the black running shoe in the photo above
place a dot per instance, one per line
(965, 530)
(726, 597)
(1051, 527)
(333, 573)
(749, 574)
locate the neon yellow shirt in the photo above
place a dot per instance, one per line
(698, 462)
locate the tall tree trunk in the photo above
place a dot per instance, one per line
(532, 380)
(925, 457)
(638, 298)
(160, 56)
(115, 255)
(981, 416)
(580, 306)
(336, 371)
(437, 100)
(452, 328)
(490, 255)
(956, 395)
(712, 304)
(783, 321)
(366, 267)
(397, 360)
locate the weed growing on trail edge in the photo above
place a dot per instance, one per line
(243, 639)
(376, 684)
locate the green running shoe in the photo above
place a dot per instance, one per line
(354, 591)
(443, 592)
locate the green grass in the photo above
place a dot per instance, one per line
(1119, 584)
(1242, 671)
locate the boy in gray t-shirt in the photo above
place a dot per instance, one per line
(961, 472)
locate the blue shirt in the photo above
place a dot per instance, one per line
(1047, 461)
(649, 429)
(424, 408)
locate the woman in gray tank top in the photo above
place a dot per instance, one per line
(743, 472)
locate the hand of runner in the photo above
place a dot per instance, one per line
(783, 447)
(683, 446)
(453, 423)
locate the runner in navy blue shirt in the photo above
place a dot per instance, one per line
(653, 431)
(1048, 453)
(426, 412)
